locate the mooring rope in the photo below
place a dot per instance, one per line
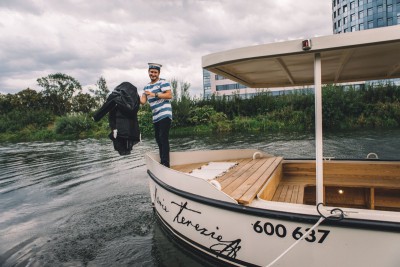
(334, 217)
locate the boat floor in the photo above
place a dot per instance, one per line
(243, 181)
(371, 185)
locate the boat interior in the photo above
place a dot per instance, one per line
(365, 184)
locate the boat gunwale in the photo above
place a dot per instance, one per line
(387, 226)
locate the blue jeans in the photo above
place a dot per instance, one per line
(161, 131)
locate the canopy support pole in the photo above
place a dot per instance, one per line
(318, 129)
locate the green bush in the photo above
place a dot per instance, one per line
(73, 124)
(17, 120)
(201, 115)
(145, 119)
(220, 123)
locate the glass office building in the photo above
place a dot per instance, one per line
(357, 15)
(206, 84)
(347, 16)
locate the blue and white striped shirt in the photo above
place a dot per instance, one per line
(161, 108)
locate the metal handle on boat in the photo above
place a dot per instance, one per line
(257, 154)
(375, 156)
(216, 184)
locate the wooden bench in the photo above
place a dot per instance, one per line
(378, 181)
(245, 180)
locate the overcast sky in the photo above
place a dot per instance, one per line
(117, 38)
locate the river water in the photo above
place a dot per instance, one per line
(78, 203)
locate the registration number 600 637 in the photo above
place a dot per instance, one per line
(282, 231)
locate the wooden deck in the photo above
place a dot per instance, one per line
(367, 184)
(290, 193)
(245, 180)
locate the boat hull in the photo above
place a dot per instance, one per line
(246, 236)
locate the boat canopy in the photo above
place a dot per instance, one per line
(356, 56)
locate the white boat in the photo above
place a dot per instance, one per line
(249, 208)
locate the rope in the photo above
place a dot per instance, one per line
(332, 217)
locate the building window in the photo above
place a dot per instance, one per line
(398, 18)
(219, 77)
(370, 24)
(344, 8)
(334, 14)
(344, 20)
(380, 9)
(352, 17)
(360, 2)
(345, 30)
(389, 8)
(234, 86)
(334, 3)
(360, 15)
(338, 11)
(369, 12)
(337, 2)
(361, 26)
(369, 1)
(380, 22)
(338, 23)
(390, 21)
(353, 28)
(352, 5)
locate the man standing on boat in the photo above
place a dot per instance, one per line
(158, 93)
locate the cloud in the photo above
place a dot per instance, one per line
(116, 39)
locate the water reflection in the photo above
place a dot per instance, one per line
(77, 203)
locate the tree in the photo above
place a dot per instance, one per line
(101, 92)
(58, 91)
(181, 104)
(28, 99)
(83, 103)
(174, 86)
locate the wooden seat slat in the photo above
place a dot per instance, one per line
(256, 186)
(277, 193)
(248, 181)
(235, 172)
(239, 180)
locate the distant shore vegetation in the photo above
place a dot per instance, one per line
(61, 111)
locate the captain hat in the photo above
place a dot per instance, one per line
(155, 66)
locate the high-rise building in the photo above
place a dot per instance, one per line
(347, 16)
(358, 15)
(214, 84)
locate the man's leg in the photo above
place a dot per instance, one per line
(157, 136)
(165, 125)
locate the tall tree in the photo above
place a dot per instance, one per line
(101, 91)
(58, 90)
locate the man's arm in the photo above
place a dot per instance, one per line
(165, 94)
(143, 99)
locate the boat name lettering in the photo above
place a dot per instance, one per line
(223, 247)
(159, 202)
(281, 231)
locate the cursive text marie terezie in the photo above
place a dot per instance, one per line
(222, 247)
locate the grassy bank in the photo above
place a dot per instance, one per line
(344, 108)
